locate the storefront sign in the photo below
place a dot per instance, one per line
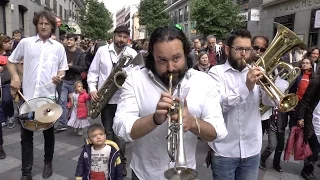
(298, 4)
(317, 19)
(245, 15)
(255, 15)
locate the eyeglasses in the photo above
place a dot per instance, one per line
(241, 49)
(256, 48)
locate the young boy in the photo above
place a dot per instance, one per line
(99, 159)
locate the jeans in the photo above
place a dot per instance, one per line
(66, 88)
(27, 148)
(107, 116)
(275, 142)
(6, 107)
(225, 168)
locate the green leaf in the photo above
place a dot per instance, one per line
(96, 20)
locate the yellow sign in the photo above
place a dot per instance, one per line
(193, 31)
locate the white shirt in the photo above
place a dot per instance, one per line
(316, 121)
(102, 66)
(140, 95)
(100, 160)
(241, 112)
(41, 61)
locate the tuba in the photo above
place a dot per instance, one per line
(175, 138)
(284, 41)
(112, 84)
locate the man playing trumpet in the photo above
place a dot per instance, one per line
(142, 112)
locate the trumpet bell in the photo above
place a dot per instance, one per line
(180, 173)
(288, 102)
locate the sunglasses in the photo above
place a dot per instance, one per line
(256, 48)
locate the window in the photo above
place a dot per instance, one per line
(47, 2)
(186, 28)
(186, 13)
(55, 6)
(65, 14)
(180, 15)
(60, 11)
(175, 18)
(313, 34)
(38, 1)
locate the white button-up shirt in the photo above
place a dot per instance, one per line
(41, 61)
(140, 95)
(241, 112)
(102, 66)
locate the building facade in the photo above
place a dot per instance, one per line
(128, 16)
(18, 14)
(179, 12)
(297, 15)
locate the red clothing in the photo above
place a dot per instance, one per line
(303, 85)
(97, 176)
(212, 57)
(82, 110)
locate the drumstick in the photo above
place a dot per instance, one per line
(24, 98)
(51, 81)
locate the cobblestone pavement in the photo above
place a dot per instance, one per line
(68, 147)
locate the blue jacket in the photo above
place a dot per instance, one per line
(84, 162)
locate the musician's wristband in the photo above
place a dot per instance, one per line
(197, 123)
(154, 120)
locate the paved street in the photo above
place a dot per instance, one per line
(68, 147)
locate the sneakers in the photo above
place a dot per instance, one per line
(11, 122)
(308, 177)
(263, 164)
(2, 153)
(277, 168)
(61, 127)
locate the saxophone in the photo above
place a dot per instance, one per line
(110, 86)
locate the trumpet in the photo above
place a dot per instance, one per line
(175, 138)
(284, 102)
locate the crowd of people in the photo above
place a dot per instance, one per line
(221, 100)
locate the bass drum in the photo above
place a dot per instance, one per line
(32, 105)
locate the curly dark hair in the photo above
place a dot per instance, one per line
(238, 33)
(49, 16)
(166, 33)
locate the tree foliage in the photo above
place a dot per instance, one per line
(95, 20)
(152, 15)
(216, 17)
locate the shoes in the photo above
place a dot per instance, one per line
(61, 127)
(277, 168)
(2, 153)
(307, 177)
(11, 122)
(47, 170)
(26, 177)
(262, 164)
(80, 133)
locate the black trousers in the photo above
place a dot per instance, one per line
(107, 116)
(308, 167)
(1, 135)
(134, 176)
(27, 148)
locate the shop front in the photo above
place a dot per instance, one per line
(297, 15)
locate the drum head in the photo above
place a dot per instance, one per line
(33, 104)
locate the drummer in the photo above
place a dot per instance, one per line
(44, 61)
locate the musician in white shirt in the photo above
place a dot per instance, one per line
(44, 61)
(141, 115)
(237, 155)
(102, 65)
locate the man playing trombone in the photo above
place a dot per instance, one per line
(143, 111)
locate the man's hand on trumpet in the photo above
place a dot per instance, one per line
(167, 102)
(253, 76)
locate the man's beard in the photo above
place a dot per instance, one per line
(177, 77)
(236, 64)
(120, 45)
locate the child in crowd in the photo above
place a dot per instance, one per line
(79, 113)
(100, 158)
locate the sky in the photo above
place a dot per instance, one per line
(114, 5)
